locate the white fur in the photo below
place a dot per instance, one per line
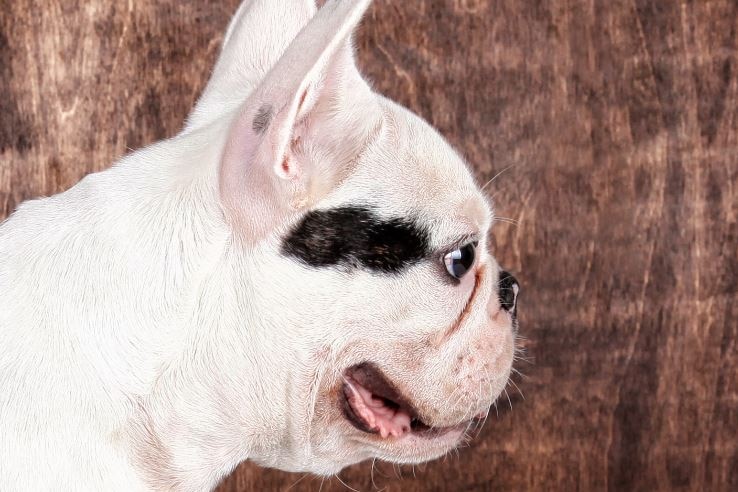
(152, 336)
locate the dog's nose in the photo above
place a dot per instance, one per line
(508, 291)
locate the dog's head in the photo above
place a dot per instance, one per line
(362, 237)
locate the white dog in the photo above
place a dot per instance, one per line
(299, 278)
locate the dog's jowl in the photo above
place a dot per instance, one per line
(301, 278)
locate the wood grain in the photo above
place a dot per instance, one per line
(617, 125)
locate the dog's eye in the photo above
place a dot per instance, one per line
(460, 261)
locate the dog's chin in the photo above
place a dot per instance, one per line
(378, 415)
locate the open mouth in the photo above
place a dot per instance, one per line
(373, 405)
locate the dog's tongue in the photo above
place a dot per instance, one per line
(380, 417)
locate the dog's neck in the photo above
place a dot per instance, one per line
(176, 288)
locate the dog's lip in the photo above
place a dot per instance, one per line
(367, 378)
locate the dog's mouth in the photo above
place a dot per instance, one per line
(373, 405)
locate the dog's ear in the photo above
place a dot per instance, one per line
(297, 126)
(257, 36)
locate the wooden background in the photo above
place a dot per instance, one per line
(619, 120)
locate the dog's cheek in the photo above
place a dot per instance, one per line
(329, 435)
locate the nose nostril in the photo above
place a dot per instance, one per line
(508, 289)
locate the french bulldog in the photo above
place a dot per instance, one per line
(300, 278)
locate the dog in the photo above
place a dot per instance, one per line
(300, 278)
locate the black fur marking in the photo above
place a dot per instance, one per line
(263, 118)
(355, 237)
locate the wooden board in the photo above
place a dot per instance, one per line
(616, 125)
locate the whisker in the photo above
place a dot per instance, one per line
(297, 481)
(522, 358)
(344, 484)
(508, 397)
(517, 372)
(517, 388)
(371, 473)
(486, 415)
(458, 400)
(506, 220)
(453, 393)
(496, 176)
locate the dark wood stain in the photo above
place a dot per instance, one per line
(620, 123)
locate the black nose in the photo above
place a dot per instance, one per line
(508, 291)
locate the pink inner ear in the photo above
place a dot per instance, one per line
(247, 186)
(302, 99)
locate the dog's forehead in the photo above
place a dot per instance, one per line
(408, 197)
(409, 170)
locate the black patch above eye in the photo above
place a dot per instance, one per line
(356, 237)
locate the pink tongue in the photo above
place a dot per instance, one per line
(387, 421)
